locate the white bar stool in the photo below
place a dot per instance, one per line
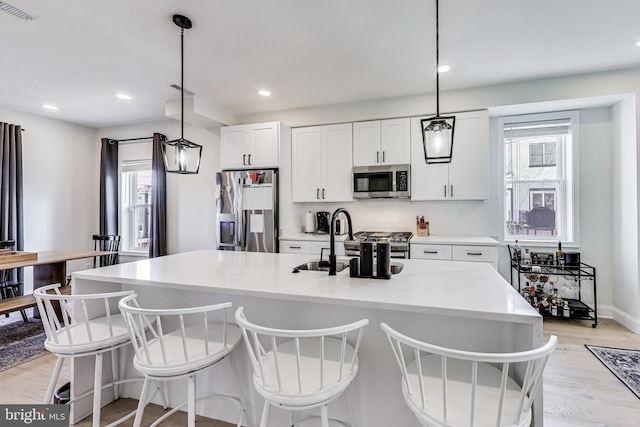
(178, 343)
(71, 333)
(299, 370)
(447, 387)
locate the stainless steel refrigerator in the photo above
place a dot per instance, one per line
(247, 210)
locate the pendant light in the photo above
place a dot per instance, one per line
(180, 155)
(437, 131)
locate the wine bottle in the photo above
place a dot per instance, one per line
(559, 254)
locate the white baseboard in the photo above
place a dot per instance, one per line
(621, 317)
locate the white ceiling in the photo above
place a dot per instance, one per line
(78, 53)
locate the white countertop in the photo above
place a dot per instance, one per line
(463, 289)
(455, 240)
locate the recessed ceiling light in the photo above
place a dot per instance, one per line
(444, 68)
(638, 44)
(264, 93)
(49, 107)
(124, 96)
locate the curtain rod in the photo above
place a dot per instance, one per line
(134, 139)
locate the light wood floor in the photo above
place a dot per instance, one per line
(578, 390)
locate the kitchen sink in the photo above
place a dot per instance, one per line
(396, 267)
(317, 266)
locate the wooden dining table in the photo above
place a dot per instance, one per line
(51, 266)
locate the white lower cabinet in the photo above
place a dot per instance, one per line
(309, 247)
(475, 253)
(447, 252)
(431, 252)
(295, 247)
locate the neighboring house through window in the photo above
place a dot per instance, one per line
(135, 208)
(539, 152)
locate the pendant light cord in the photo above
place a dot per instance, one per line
(182, 82)
(437, 63)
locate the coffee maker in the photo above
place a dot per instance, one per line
(322, 222)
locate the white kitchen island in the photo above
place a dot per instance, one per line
(466, 305)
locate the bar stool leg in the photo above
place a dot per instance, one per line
(115, 374)
(48, 397)
(141, 403)
(97, 390)
(324, 415)
(265, 415)
(191, 401)
(349, 409)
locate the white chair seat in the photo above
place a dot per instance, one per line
(447, 387)
(287, 391)
(75, 338)
(174, 343)
(150, 361)
(459, 392)
(301, 369)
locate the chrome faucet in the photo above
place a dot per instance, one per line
(332, 238)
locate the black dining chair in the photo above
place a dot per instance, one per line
(106, 242)
(10, 288)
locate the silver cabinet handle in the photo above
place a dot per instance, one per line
(249, 157)
(474, 253)
(451, 190)
(244, 159)
(295, 247)
(445, 191)
(383, 160)
(377, 157)
(318, 193)
(430, 252)
(323, 194)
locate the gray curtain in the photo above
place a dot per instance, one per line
(11, 200)
(158, 228)
(109, 187)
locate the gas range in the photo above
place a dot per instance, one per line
(399, 241)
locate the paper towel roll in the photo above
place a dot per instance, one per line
(309, 222)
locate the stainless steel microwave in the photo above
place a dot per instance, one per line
(386, 181)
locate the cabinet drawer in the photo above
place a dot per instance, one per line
(475, 253)
(295, 247)
(318, 246)
(442, 252)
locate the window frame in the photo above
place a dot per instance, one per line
(567, 195)
(131, 156)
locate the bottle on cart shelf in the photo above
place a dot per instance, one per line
(526, 258)
(559, 254)
(554, 307)
(518, 250)
(565, 309)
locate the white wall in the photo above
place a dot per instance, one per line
(596, 164)
(61, 191)
(625, 289)
(190, 198)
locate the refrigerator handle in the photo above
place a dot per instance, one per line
(244, 160)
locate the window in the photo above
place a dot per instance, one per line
(542, 154)
(539, 198)
(136, 205)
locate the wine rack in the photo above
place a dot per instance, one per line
(546, 280)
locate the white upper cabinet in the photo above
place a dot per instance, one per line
(467, 176)
(252, 146)
(321, 163)
(380, 142)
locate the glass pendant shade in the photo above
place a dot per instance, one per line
(181, 156)
(437, 138)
